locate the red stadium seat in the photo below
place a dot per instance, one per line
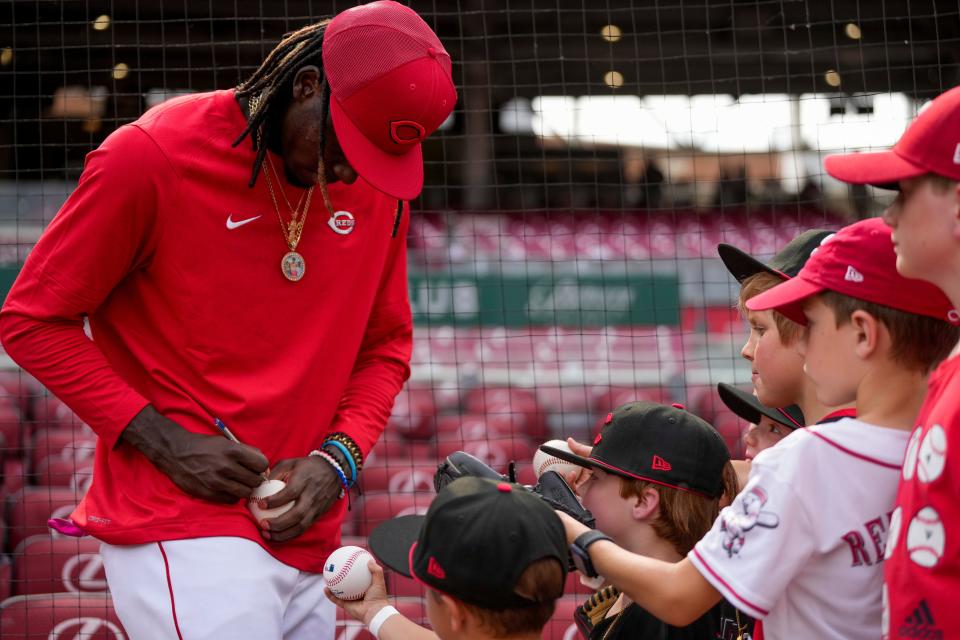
(21, 387)
(509, 401)
(496, 452)
(404, 587)
(413, 413)
(14, 477)
(472, 426)
(12, 426)
(60, 616)
(397, 479)
(44, 564)
(49, 411)
(29, 509)
(561, 625)
(55, 471)
(6, 576)
(617, 396)
(70, 444)
(350, 629)
(378, 507)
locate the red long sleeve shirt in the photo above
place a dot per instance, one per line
(192, 314)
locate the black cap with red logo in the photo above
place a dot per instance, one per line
(474, 543)
(663, 444)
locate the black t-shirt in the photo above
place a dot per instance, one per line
(638, 624)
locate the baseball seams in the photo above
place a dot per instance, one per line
(547, 463)
(345, 569)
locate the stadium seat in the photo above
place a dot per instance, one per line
(21, 387)
(473, 426)
(70, 444)
(413, 413)
(6, 577)
(14, 477)
(404, 587)
(378, 507)
(60, 616)
(12, 426)
(614, 397)
(49, 411)
(55, 471)
(350, 629)
(45, 564)
(29, 509)
(397, 479)
(508, 401)
(496, 452)
(561, 625)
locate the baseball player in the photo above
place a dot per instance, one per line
(493, 558)
(923, 563)
(802, 545)
(294, 337)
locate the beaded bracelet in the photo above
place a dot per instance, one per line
(346, 454)
(336, 467)
(355, 453)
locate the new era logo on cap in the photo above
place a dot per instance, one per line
(853, 275)
(434, 569)
(660, 464)
(956, 155)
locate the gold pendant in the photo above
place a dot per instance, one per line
(293, 266)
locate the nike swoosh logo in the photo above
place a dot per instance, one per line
(231, 224)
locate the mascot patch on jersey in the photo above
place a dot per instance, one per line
(742, 516)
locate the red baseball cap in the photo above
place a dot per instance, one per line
(857, 261)
(931, 144)
(390, 87)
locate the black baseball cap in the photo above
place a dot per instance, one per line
(663, 444)
(748, 406)
(786, 264)
(475, 541)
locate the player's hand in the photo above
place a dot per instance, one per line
(209, 467)
(572, 528)
(312, 485)
(373, 600)
(576, 478)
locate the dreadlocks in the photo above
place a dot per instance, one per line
(267, 90)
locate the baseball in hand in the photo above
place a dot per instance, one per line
(543, 461)
(257, 501)
(346, 572)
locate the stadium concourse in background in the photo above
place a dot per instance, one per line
(202, 314)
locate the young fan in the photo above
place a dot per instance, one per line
(492, 556)
(658, 473)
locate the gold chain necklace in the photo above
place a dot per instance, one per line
(292, 265)
(294, 211)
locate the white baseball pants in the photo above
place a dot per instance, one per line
(213, 589)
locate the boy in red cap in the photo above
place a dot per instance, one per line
(923, 562)
(801, 546)
(202, 314)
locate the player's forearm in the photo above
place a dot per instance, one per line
(675, 593)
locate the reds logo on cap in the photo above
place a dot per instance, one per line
(342, 222)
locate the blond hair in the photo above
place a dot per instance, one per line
(756, 284)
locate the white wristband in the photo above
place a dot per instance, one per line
(379, 619)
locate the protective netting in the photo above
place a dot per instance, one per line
(562, 255)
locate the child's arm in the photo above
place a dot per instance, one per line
(397, 626)
(675, 593)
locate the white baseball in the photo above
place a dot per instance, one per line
(346, 572)
(933, 454)
(257, 501)
(543, 461)
(926, 538)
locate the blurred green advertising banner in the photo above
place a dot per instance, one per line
(507, 300)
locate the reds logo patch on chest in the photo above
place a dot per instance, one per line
(342, 222)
